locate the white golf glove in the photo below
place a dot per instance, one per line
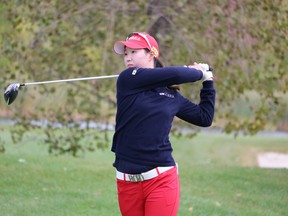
(207, 75)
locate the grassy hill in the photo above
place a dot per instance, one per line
(218, 174)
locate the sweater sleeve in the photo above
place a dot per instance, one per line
(201, 114)
(133, 80)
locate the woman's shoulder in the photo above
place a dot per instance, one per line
(129, 71)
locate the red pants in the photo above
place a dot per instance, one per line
(158, 196)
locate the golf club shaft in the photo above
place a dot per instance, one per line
(69, 80)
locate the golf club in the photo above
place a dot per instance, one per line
(11, 91)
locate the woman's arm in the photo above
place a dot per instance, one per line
(135, 79)
(201, 114)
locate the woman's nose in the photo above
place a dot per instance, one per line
(128, 58)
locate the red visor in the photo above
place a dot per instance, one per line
(138, 40)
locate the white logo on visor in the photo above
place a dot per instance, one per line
(135, 38)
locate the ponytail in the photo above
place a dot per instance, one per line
(158, 63)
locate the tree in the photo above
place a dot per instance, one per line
(245, 41)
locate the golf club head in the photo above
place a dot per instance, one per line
(11, 93)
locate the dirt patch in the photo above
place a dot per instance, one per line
(256, 157)
(273, 160)
(249, 157)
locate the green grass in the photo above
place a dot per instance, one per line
(218, 176)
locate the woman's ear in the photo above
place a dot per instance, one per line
(151, 56)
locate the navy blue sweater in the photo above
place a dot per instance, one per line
(145, 112)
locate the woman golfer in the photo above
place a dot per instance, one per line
(147, 102)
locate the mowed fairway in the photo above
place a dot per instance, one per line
(218, 174)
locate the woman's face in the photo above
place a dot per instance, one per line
(138, 58)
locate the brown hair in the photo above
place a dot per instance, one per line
(158, 63)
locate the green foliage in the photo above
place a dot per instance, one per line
(71, 141)
(245, 42)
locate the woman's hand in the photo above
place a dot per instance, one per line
(195, 65)
(207, 75)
